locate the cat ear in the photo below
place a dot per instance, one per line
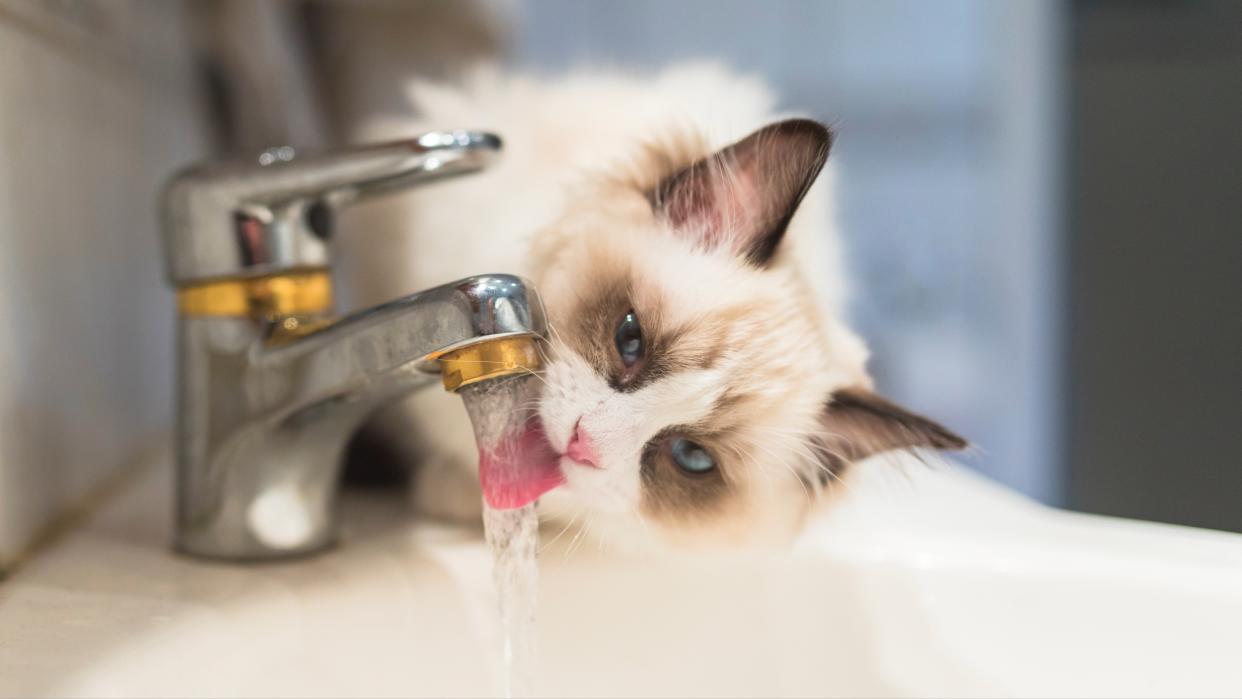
(858, 423)
(743, 196)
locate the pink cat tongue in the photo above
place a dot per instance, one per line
(519, 469)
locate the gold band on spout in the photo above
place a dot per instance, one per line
(489, 359)
(289, 294)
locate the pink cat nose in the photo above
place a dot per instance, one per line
(581, 449)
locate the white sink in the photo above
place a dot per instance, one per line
(929, 583)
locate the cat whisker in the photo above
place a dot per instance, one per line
(562, 533)
(603, 535)
(833, 477)
(750, 456)
(586, 525)
(788, 467)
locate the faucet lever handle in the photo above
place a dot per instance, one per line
(255, 218)
(341, 176)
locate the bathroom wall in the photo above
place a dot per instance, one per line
(1156, 250)
(96, 108)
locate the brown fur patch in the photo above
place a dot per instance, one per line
(672, 494)
(668, 347)
(860, 424)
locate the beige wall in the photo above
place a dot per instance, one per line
(96, 107)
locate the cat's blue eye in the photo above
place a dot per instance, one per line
(690, 457)
(629, 339)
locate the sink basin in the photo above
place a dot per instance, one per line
(918, 582)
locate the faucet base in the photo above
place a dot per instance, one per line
(232, 546)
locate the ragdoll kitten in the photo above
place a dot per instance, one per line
(700, 376)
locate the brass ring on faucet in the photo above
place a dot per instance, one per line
(489, 359)
(287, 294)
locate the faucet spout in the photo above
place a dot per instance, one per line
(392, 348)
(263, 427)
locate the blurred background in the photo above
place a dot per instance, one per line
(1040, 200)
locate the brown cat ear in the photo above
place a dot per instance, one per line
(859, 423)
(743, 196)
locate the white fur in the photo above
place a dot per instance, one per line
(554, 131)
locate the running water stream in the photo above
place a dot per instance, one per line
(515, 467)
(513, 536)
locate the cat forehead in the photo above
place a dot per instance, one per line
(692, 284)
(656, 269)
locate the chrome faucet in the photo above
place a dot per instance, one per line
(270, 384)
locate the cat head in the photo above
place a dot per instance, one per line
(692, 378)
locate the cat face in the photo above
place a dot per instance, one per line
(690, 379)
